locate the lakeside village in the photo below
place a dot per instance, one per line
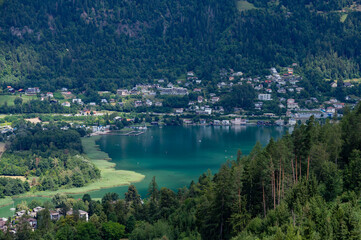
(31, 216)
(279, 99)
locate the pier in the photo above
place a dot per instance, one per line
(133, 133)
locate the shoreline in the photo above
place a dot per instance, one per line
(110, 177)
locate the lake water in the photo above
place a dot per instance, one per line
(178, 155)
(175, 155)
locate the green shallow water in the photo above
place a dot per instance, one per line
(178, 155)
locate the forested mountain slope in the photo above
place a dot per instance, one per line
(110, 43)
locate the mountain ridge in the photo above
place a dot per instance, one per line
(108, 44)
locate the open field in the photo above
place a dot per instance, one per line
(182, 78)
(8, 203)
(33, 120)
(5, 201)
(355, 80)
(244, 6)
(22, 178)
(343, 17)
(10, 99)
(358, 80)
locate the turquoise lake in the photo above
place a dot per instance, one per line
(178, 155)
(175, 155)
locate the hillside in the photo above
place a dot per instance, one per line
(107, 44)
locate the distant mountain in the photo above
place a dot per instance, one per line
(111, 43)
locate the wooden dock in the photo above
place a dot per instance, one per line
(133, 133)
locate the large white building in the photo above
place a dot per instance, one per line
(264, 97)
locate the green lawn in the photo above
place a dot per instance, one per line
(182, 77)
(11, 203)
(10, 99)
(358, 80)
(244, 6)
(58, 96)
(343, 17)
(5, 201)
(5, 205)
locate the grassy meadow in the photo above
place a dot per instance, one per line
(10, 99)
(244, 6)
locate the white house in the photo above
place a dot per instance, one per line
(330, 110)
(214, 99)
(178, 110)
(226, 122)
(238, 121)
(208, 111)
(158, 104)
(66, 104)
(264, 97)
(148, 103)
(138, 103)
(291, 104)
(77, 100)
(292, 122)
(123, 92)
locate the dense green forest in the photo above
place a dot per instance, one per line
(10, 187)
(49, 157)
(305, 185)
(92, 44)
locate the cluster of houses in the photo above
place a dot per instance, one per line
(6, 129)
(28, 92)
(31, 218)
(277, 87)
(235, 121)
(329, 109)
(283, 88)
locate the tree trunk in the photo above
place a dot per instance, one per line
(279, 183)
(293, 171)
(264, 200)
(296, 171)
(308, 167)
(221, 227)
(274, 189)
(300, 176)
(283, 183)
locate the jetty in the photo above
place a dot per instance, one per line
(133, 133)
